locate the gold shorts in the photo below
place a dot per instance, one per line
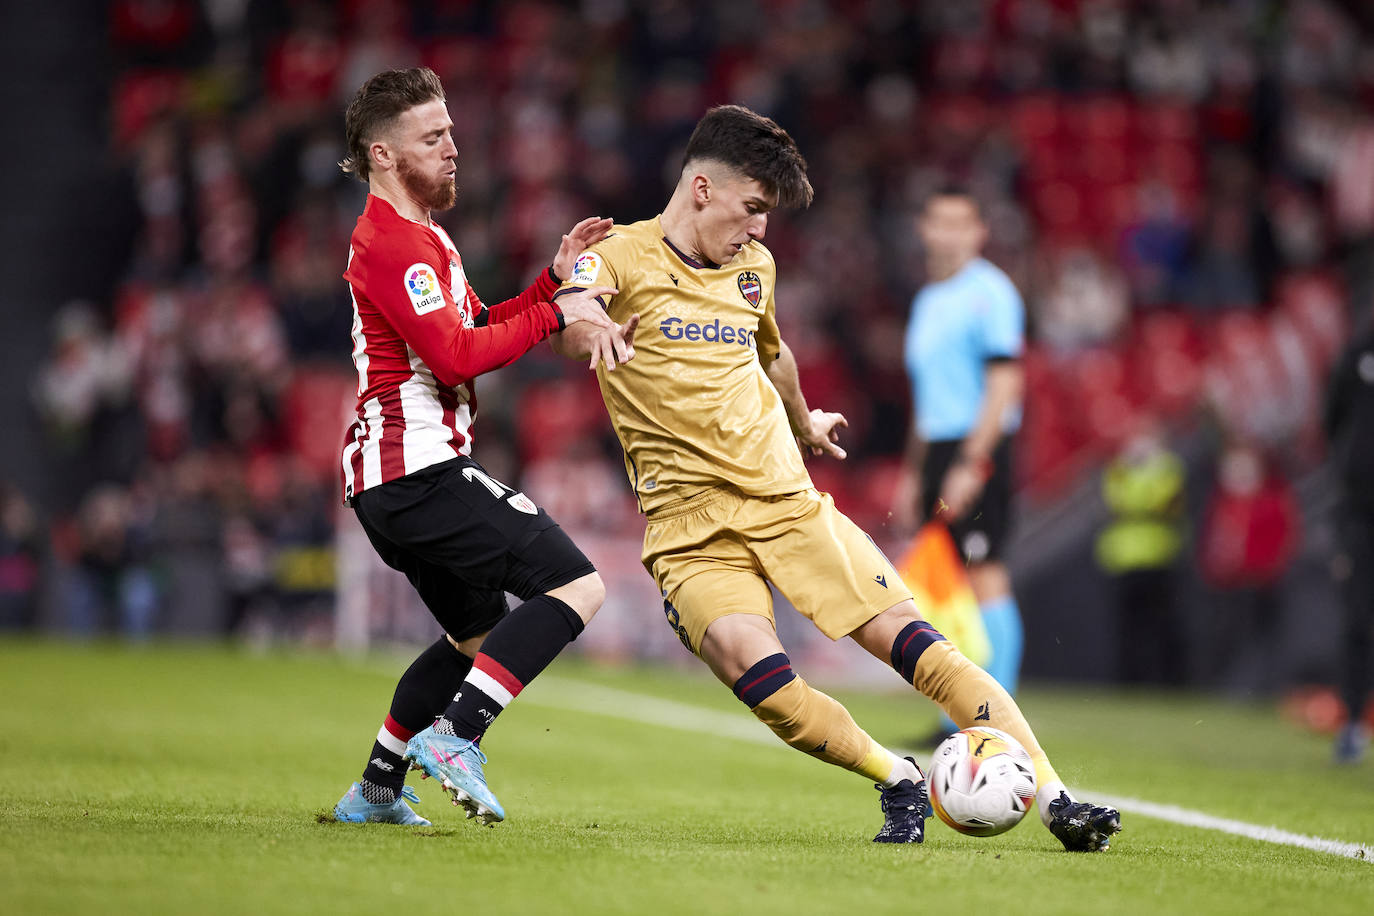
(716, 553)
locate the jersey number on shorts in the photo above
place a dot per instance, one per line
(499, 490)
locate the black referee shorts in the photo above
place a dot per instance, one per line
(464, 539)
(981, 534)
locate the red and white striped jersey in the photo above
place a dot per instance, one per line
(420, 337)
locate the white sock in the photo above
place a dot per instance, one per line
(901, 769)
(1046, 794)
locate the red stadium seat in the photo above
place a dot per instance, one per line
(315, 409)
(554, 415)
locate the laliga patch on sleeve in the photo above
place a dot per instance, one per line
(422, 286)
(586, 269)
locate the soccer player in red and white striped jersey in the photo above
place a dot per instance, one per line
(421, 336)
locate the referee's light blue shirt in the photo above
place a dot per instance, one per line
(956, 326)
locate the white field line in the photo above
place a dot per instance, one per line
(1239, 828)
(561, 693)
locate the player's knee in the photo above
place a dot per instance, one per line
(583, 595)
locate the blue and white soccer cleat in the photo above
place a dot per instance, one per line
(457, 764)
(354, 809)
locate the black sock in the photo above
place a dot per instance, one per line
(513, 654)
(422, 693)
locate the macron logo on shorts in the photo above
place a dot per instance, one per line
(422, 286)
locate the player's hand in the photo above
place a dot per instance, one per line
(580, 237)
(960, 489)
(612, 346)
(582, 339)
(582, 305)
(822, 433)
(906, 501)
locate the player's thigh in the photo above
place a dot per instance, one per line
(827, 567)
(523, 549)
(463, 610)
(488, 535)
(699, 589)
(703, 571)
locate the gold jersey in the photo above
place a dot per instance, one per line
(694, 409)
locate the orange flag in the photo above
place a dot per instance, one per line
(933, 570)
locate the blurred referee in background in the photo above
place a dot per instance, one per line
(964, 342)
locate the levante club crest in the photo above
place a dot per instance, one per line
(750, 287)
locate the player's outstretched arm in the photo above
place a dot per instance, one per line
(817, 430)
(583, 340)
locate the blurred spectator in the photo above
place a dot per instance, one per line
(301, 531)
(20, 559)
(316, 316)
(1250, 533)
(1143, 488)
(1233, 250)
(1154, 245)
(1349, 422)
(1085, 305)
(82, 395)
(110, 587)
(185, 528)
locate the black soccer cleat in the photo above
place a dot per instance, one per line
(904, 811)
(1083, 827)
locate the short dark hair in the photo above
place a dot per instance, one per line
(956, 189)
(755, 146)
(377, 105)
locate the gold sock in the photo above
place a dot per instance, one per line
(817, 724)
(971, 696)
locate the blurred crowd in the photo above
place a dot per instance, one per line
(1182, 190)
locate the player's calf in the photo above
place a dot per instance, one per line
(810, 721)
(816, 724)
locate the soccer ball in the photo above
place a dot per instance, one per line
(982, 781)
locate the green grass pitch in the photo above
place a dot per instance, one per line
(173, 779)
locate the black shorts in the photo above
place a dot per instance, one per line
(981, 534)
(464, 539)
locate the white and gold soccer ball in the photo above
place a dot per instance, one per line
(982, 781)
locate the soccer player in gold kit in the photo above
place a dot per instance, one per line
(710, 413)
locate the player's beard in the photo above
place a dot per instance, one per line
(435, 193)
